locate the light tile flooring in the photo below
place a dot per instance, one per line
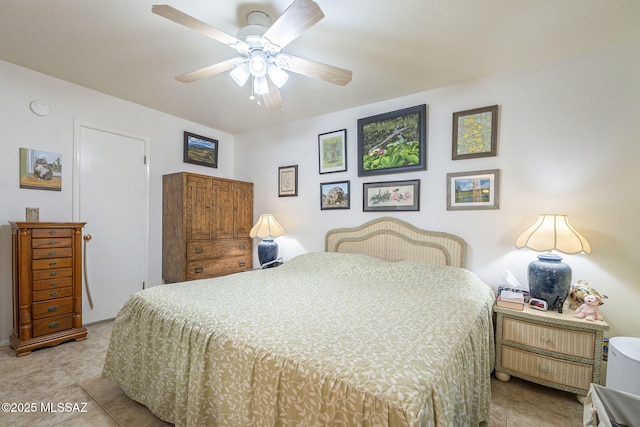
(70, 374)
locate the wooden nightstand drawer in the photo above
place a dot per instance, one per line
(42, 264)
(50, 325)
(52, 307)
(561, 372)
(574, 343)
(217, 248)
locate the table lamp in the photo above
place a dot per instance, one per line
(549, 277)
(267, 228)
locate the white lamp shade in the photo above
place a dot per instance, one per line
(553, 231)
(277, 75)
(261, 85)
(266, 226)
(240, 74)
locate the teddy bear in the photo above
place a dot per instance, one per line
(589, 310)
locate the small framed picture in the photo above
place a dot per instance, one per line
(473, 190)
(475, 133)
(288, 181)
(391, 196)
(335, 195)
(40, 170)
(332, 151)
(200, 150)
(393, 142)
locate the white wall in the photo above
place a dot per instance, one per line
(21, 128)
(568, 143)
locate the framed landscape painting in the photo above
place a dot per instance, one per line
(393, 142)
(473, 190)
(200, 150)
(332, 151)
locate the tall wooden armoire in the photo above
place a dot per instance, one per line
(205, 226)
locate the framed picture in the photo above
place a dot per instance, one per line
(335, 195)
(475, 133)
(391, 196)
(393, 142)
(40, 170)
(332, 151)
(288, 181)
(473, 190)
(200, 150)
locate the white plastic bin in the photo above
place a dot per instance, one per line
(605, 407)
(623, 366)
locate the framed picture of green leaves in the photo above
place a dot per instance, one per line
(393, 142)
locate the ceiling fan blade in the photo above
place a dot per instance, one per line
(317, 70)
(182, 18)
(272, 99)
(299, 16)
(211, 70)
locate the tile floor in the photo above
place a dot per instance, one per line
(70, 373)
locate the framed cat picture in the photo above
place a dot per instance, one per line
(40, 170)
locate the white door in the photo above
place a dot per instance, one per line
(111, 196)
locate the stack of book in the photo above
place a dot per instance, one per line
(510, 299)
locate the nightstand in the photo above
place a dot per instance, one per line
(549, 348)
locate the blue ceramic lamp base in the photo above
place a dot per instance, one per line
(549, 279)
(267, 251)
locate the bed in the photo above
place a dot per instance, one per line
(353, 336)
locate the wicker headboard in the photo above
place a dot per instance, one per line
(392, 239)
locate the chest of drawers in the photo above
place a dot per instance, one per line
(549, 348)
(47, 284)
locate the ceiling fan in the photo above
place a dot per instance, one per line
(260, 45)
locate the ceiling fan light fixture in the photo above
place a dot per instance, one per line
(260, 85)
(240, 74)
(277, 75)
(258, 64)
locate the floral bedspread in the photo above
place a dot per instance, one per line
(325, 339)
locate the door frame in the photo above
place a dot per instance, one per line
(78, 125)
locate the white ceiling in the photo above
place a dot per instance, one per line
(394, 48)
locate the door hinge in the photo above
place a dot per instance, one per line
(145, 160)
(143, 285)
